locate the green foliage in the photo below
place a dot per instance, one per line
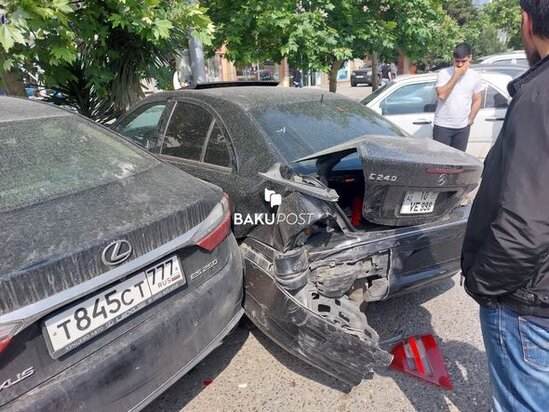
(483, 35)
(462, 11)
(98, 53)
(318, 34)
(31, 21)
(506, 15)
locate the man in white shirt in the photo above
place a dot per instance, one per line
(459, 92)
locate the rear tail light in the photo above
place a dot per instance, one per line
(444, 171)
(356, 210)
(216, 227)
(7, 332)
(419, 356)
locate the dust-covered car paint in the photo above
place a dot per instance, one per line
(318, 183)
(83, 214)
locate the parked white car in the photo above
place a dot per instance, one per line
(410, 103)
(513, 57)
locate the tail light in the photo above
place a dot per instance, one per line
(419, 356)
(7, 332)
(216, 227)
(449, 171)
(356, 210)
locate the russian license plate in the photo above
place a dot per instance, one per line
(418, 203)
(359, 76)
(85, 320)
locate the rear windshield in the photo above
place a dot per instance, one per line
(48, 157)
(301, 129)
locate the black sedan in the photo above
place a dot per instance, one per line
(334, 207)
(118, 272)
(361, 76)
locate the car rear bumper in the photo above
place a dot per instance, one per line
(365, 80)
(402, 259)
(346, 354)
(132, 370)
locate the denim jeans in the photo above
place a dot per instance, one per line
(518, 360)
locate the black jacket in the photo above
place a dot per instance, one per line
(505, 254)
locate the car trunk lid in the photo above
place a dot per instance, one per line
(395, 181)
(57, 244)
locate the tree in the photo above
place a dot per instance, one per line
(506, 15)
(483, 35)
(97, 52)
(321, 34)
(30, 26)
(462, 11)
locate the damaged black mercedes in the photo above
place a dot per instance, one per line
(334, 207)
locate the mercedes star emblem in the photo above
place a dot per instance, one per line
(442, 179)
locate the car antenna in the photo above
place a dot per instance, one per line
(322, 98)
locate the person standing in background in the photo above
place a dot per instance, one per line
(459, 99)
(394, 70)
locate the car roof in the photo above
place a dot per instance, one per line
(248, 97)
(493, 77)
(494, 58)
(514, 70)
(19, 108)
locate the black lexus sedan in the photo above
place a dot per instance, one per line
(118, 272)
(333, 207)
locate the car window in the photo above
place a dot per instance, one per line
(48, 157)
(217, 149)
(187, 131)
(411, 98)
(297, 130)
(373, 95)
(513, 60)
(494, 99)
(142, 125)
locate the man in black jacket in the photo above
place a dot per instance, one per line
(505, 257)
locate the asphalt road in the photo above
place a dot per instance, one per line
(357, 93)
(251, 373)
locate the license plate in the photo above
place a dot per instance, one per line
(359, 76)
(416, 203)
(85, 320)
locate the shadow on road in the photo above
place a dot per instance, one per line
(191, 384)
(298, 366)
(465, 363)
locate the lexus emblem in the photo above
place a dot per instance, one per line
(442, 179)
(116, 252)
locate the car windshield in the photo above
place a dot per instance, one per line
(373, 95)
(48, 157)
(301, 129)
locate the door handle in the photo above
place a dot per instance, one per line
(422, 121)
(495, 119)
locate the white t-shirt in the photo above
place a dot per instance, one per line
(454, 111)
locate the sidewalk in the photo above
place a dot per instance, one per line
(356, 93)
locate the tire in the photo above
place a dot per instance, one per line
(353, 84)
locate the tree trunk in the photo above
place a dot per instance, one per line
(135, 93)
(375, 77)
(13, 83)
(332, 76)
